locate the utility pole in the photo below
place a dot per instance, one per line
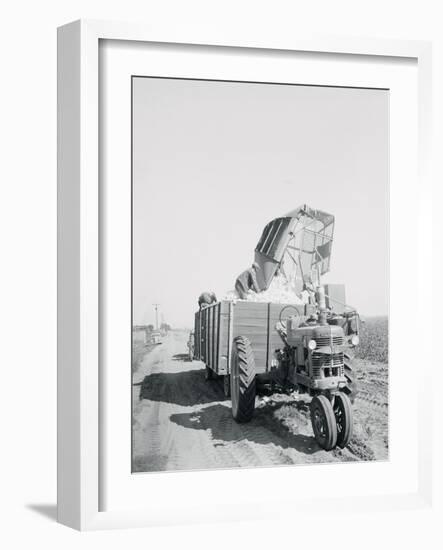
(156, 315)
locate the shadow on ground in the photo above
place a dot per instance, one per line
(48, 511)
(181, 388)
(264, 428)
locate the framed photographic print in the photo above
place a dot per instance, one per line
(241, 261)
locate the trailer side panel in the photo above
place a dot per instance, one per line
(217, 325)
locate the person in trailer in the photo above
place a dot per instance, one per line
(206, 299)
(247, 281)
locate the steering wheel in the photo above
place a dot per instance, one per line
(295, 314)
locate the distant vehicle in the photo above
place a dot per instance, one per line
(191, 346)
(155, 337)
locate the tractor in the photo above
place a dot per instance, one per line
(306, 346)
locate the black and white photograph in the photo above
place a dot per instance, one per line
(260, 274)
(221, 231)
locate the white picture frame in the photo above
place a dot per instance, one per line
(80, 393)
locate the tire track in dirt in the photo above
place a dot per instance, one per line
(242, 444)
(183, 422)
(371, 401)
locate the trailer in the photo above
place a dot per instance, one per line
(218, 325)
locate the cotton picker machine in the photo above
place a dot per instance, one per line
(305, 346)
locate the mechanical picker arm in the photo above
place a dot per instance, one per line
(298, 246)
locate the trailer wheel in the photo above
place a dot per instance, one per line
(227, 385)
(209, 374)
(242, 380)
(344, 419)
(323, 422)
(351, 388)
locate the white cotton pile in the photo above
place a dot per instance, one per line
(231, 295)
(279, 292)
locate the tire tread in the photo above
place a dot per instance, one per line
(344, 438)
(325, 404)
(351, 388)
(246, 367)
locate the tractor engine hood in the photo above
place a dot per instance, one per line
(326, 337)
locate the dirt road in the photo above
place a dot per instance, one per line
(183, 422)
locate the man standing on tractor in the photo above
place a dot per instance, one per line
(247, 281)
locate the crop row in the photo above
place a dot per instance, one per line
(373, 339)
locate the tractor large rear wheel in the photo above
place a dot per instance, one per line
(343, 416)
(323, 422)
(242, 380)
(351, 388)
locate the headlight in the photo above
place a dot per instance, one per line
(355, 339)
(312, 344)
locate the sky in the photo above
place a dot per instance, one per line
(213, 162)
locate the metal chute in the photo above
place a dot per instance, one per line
(297, 246)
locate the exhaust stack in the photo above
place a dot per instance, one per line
(321, 300)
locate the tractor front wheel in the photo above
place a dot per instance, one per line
(323, 422)
(242, 380)
(343, 417)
